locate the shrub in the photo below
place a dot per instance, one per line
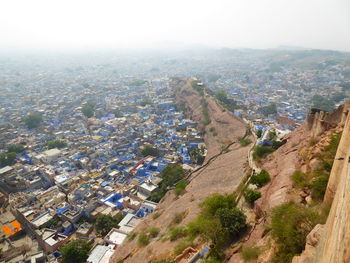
(244, 141)
(181, 247)
(180, 187)
(143, 239)
(156, 215)
(154, 231)
(260, 179)
(259, 133)
(318, 187)
(262, 151)
(178, 217)
(233, 220)
(290, 224)
(251, 195)
(250, 253)
(216, 201)
(176, 232)
(299, 179)
(131, 236)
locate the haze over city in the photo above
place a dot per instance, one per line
(184, 131)
(79, 24)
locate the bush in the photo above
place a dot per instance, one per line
(250, 253)
(178, 217)
(156, 215)
(233, 220)
(259, 133)
(154, 231)
(299, 179)
(318, 187)
(251, 195)
(244, 141)
(143, 239)
(181, 247)
(290, 224)
(180, 187)
(176, 232)
(216, 201)
(260, 179)
(262, 151)
(131, 236)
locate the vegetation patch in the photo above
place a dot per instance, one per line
(261, 152)
(56, 144)
(260, 179)
(290, 224)
(244, 141)
(33, 120)
(76, 251)
(250, 253)
(251, 195)
(299, 179)
(180, 187)
(104, 223)
(170, 175)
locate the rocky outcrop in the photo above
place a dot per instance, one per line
(319, 121)
(334, 240)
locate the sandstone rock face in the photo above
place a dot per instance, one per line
(312, 241)
(333, 242)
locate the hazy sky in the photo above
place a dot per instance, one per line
(79, 24)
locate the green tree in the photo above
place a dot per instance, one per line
(104, 223)
(268, 110)
(7, 158)
(56, 144)
(233, 220)
(33, 120)
(15, 148)
(217, 201)
(170, 175)
(221, 95)
(75, 251)
(88, 110)
(149, 150)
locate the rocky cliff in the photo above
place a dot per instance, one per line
(324, 242)
(330, 242)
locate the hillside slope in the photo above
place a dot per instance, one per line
(222, 174)
(301, 153)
